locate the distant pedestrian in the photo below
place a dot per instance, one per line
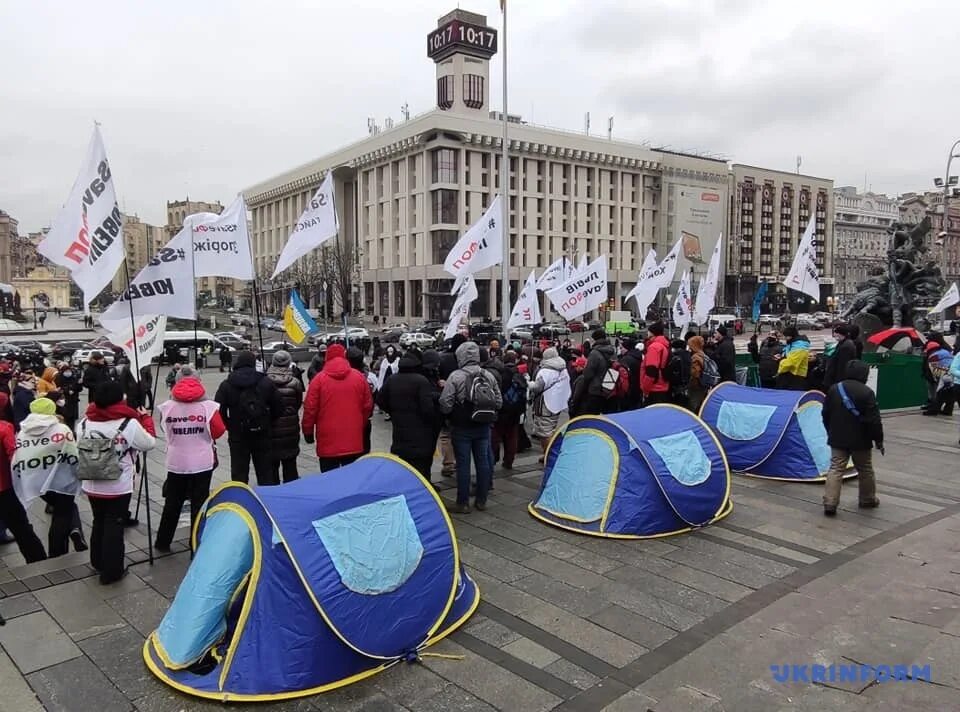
(471, 397)
(23, 394)
(43, 318)
(226, 357)
(285, 434)
(408, 398)
(249, 406)
(506, 429)
(96, 373)
(770, 351)
(12, 514)
(69, 386)
(336, 408)
(795, 361)
(448, 364)
(654, 381)
(192, 423)
(845, 352)
(316, 363)
(725, 354)
(852, 419)
(356, 360)
(589, 397)
(550, 390)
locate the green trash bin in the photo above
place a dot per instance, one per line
(896, 379)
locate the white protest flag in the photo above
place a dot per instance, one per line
(164, 286)
(149, 330)
(683, 306)
(949, 299)
(707, 291)
(527, 308)
(461, 307)
(480, 247)
(316, 225)
(556, 274)
(645, 290)
(221, 246)
(584, 263)
(803, 275)
(586, 290)
(86, 236)
(663, 275)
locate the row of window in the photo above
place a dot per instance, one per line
(473, 85)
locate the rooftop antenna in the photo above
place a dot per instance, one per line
(799, 161)
(586, 124)
(610, 129)
(405, 111)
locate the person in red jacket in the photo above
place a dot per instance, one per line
(335, 411)
(12, 513)
(653, 373)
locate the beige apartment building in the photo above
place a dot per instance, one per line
(769, 212)
(860, 235)
(8, 235)
(407, 192)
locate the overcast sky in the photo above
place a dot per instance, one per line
(209, 97)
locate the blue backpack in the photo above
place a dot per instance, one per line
(515, 395)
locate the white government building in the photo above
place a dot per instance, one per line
(405, 195)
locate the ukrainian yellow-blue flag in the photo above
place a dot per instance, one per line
(296, 321)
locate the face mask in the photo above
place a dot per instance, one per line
(68, 374)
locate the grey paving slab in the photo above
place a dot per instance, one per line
(690, 598)
(642, 630)
(16, 693)
(723, 568)
(130, 582)
(58, 563)
(530, 652)
(564, 571)
(14, 606)
(77, 686)
(492, 684)
(492, 564)
(632, 701)
(166, 574)
(708, 583)
(661, 610)
(142, 609)
(35, 641)
(688, 699)
(79, 610)
(576, 600)
(490, 631)
(574, 674)
(454, 698)
(118, 656)
(409, 684)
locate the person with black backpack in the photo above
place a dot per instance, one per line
(506, 429)
(471, 396)
(678, 373)
(249, 405)
(590, 397)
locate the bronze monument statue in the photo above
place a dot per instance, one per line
(912, 279)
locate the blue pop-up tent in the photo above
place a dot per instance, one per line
(312, 585)
(770, 433)
(644, 473)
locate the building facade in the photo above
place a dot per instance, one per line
(405, 195)
(8, 236)
(860, 236)
(45, 287)
(222, 291)
(944, 236)
(769, 211)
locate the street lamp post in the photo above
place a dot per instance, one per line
(947, 183)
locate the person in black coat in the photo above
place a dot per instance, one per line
(769, 355)
(725, 354)
(249, 436)
(632, 359)
(852, 419)
(845, 352)
(285, 433)
(408, 397)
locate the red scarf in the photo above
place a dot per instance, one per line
(120, 411)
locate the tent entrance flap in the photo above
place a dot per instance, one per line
(579, 485)
(682, 465)
(197, 619)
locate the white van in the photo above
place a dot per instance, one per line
(727, 320)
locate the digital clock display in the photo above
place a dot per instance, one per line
(461, 36)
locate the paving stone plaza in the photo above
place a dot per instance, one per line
(568, 622)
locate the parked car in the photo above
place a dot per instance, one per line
(551, 331)
(236, 335)
(233, 341)
(241, 320)
(806, 321)
(81, 357)
(392, 336)
(521, 335)
(416, 338)
(231, 310)
(32, 345)
(63, 350)
(770, 320)
(484, 332)
(576, 326)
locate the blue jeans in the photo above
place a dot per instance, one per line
(466, 440)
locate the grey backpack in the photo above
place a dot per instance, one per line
(97, 458)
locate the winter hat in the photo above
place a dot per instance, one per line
(43, 406)
(550, 353)
(722, 330)
(186, 372)
(580, 363)
(245, 359)
(931, 346)
(355, 358)
(336, 351)
(281, 358)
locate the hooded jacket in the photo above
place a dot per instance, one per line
(46, 458)
(844, 429)
(23, 396)
(725, 355)
(653, 377)
(337, 407)
(632, 360)
(455, 390)
(138, 435)
(285, 435)
(601, 358)
(551, 387)
(389, 364)
(408, 398)
(192, 424)
(47, 382)
(845, 352)
(8, 444)
(769, 350)
(229, 394)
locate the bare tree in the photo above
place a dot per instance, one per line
(308, 274)
(339, 265)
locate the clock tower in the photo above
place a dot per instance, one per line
(461, 47)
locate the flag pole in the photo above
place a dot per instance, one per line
(256, 294)
(144, 483)
(505, 188)
(193, 271)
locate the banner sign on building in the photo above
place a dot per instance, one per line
(87, 235)
(699, 219)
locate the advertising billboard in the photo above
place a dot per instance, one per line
(699, 221)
